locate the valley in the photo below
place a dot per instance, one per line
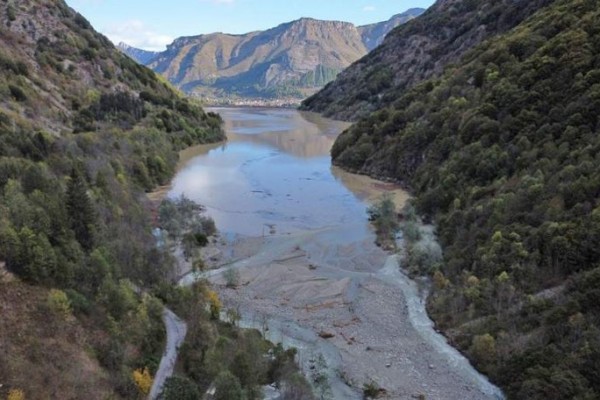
(315, 271)
(425, 225)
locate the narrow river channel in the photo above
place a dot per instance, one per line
(295, 232)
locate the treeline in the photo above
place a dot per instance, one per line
(502, 152)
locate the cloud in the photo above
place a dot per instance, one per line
(135, 33)
(368, 8)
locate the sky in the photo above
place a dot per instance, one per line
(152, 24)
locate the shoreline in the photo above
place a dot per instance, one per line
(335, 294)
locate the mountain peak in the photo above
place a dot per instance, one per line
(139, 55)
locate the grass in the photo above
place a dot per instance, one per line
(44, 355)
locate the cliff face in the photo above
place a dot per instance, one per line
(416, 51)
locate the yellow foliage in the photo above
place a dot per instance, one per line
(484, 347)
(472, 281)
(143, 380)
(59, 303)
(16, 394)
(215, 304)
(439, 280)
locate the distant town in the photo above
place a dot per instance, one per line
(290, 102)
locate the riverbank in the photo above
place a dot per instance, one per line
(349, 303)
(296, 259)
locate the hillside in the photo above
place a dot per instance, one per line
(503, 151)
(49, 347)
(84, 131)
(291, 60)
(417, 50)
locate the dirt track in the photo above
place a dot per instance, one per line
(176, 331)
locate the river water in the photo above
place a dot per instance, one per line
(273, 173)
(314, 270)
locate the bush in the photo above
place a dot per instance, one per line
(384, 217)
(79, 303)
(179, 388)
(17, 93)
(232, 278)
(370, 390)
(59, 303)
(228, 387)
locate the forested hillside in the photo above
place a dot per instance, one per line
(84, 131)
(417, 50)
(503, 153)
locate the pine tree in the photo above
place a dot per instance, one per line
(81, 211)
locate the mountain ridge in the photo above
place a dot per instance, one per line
(291, 60)
(413, 52)
(141, 56)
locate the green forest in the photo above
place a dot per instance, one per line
(502, 152)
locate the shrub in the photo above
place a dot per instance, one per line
(17, 93)
(232, 278)
(143, 380)
(228, 387)
(59, 303)
(16, 394)
(179, 388)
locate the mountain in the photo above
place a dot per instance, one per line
(84, 132)
(373, 34)
(415, 51)
(291, 60)
(301, 54)
(141, 56)
(502, 152)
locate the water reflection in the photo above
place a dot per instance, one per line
(274, 170)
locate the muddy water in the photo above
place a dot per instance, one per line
(273, 175)
(315, 269)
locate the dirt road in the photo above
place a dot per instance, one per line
(176, 331)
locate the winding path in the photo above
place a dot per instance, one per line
(176, 331)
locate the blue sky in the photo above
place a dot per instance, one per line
(153, 24)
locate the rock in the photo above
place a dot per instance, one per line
(326, 335)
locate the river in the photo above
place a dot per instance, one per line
(295, 230)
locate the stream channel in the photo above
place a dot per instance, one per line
(295, 231)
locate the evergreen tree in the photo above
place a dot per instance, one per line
(81, 211)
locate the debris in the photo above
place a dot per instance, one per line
(326, 335)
